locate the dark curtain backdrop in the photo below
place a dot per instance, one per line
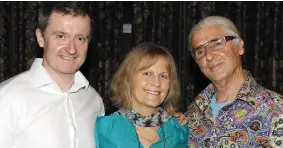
(164, 23)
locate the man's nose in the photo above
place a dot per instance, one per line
(71, 49)
(209, 55)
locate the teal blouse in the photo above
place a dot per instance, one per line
(115, 131)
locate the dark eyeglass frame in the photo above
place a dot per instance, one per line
(227, 38)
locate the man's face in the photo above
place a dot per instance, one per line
(221, 64)
(65, 42)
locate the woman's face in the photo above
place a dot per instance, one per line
(149, 88)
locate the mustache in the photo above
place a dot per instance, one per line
(213, 63)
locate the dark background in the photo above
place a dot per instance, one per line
(164, 23)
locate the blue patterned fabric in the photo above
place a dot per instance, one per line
(254, 119)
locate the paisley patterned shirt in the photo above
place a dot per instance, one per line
(254, 119)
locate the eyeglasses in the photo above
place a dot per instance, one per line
(214, 44)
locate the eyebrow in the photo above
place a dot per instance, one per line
(86, 36)
(56, 32)
(200, 46)
(62, 32)
(212, 40)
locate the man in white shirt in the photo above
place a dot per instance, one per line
(52, 105)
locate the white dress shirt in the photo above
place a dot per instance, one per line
(35, 113)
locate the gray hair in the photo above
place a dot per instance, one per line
(224, 23)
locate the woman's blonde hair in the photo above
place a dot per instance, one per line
(142, 57)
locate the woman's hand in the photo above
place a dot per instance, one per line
(181, 118)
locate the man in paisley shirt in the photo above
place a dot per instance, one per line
(233, 111)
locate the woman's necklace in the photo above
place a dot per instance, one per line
(137, 119)
(152, 141)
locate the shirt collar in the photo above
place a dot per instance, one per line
(249, 87)
(40, 77)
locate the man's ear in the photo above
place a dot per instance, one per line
(241, 47)
(39, 37)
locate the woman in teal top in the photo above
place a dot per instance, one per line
(146, 90)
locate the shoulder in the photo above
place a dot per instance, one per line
(195, 109)
(268, 98)
(107, 123)
(93, 92)
(16, 85)
(269, 93)
(104, 130)
(17, 80)
(203, 99)
(104, 124)
(107, 119)
(92, 97)
(115, 131)
(111, 126)
(12, 92)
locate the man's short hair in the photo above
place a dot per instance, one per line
(226, 24)
(75, 8)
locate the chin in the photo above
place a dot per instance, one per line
(154, 105)
(73, 71)
(219, 77)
